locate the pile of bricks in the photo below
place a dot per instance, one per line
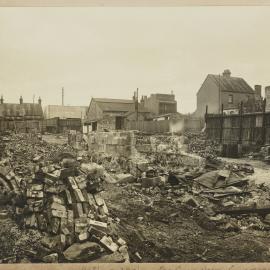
(62, 199)
(66, 203)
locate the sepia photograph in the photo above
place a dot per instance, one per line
(134, 134)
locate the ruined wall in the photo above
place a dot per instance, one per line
(108, 122)
(118, 143)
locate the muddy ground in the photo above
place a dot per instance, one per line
(158, 228)
(170, 232)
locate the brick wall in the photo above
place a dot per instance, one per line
(117, 143)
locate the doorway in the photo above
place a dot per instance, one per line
(119, 122)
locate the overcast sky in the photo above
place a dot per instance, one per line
(109, 52)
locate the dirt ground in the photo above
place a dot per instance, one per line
(170, 232)
(261, 172)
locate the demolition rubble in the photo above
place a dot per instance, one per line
(91, 206)
(52, 191)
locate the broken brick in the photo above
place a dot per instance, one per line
(108, 243)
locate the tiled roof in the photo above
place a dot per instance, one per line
(21, 110)
(231, 84)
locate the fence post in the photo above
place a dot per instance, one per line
(263, 122)
(221, 125)
(206, 112)
(241, 122)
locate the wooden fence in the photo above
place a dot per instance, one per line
(21, 125)
(164, 126)
(57, 125)
(150, 127)
(244, 129)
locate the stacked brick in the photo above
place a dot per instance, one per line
(66, 204)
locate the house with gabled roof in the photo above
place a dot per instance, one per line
(226, 90)
(21, 117)
(111, 114)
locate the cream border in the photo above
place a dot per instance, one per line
(135, 3)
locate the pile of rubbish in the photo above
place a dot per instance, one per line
(198, 144)
(58, 194)
(220, 190)
(226, 199)
(261, 154)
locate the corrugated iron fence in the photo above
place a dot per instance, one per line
(245, 129)
(151, 127)
(21, 125)
(164, 126)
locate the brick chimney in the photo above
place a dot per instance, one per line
(226, 73)
(21, 100)
(2, 100)
(39, 101)
(267, 91)
(258, 90)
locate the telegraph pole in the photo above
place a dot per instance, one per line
(62, 96)
(137, 104)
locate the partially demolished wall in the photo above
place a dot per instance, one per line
(121, 143)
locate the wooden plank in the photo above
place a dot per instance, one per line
(245, 210)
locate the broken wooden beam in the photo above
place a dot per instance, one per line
(245, 210)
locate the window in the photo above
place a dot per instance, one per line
(230, 99)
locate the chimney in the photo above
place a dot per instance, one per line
(39, 101)
(267, 97)
(258, 90)
(267, 92)
(2, 100)
(226, 73)
(21, 100)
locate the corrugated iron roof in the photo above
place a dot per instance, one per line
(65, 111)
(232, 84)
(112, 100)
(117, 105)
(21, 110)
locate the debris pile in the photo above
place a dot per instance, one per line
(198, 144)
(59, 192)
(61, 197)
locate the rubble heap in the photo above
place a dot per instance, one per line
(198, 144)
(61, 197)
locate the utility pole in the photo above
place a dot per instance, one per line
(62, 96)
(137, 105)
(219, 94)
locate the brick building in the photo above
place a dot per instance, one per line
(160, 104)
(111, 114)
(227, 90)
(22, 117)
